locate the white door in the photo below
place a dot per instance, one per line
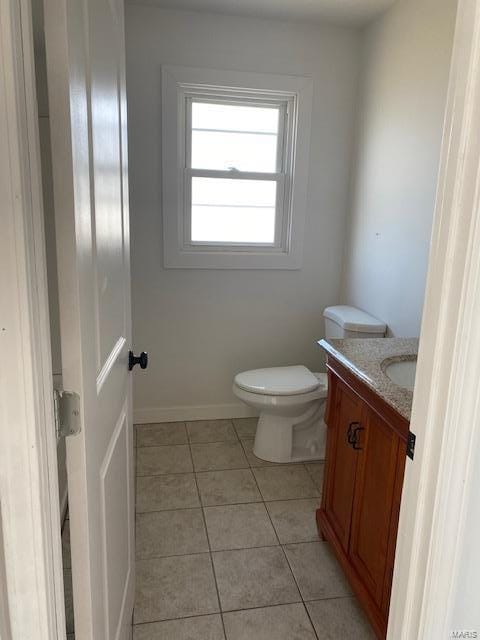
(85, 61)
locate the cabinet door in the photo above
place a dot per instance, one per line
(345, 410)
(373, 503)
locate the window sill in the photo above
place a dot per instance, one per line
(184, 259)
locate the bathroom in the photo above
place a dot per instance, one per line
(376, 127)
(360, 89)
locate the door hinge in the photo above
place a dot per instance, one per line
(411, 444)
(67, 413)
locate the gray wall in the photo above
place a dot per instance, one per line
(406, 62)
(201, 327)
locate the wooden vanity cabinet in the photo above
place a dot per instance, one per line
(344, 408)
(365, 461)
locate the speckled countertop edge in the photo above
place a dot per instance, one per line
(364, 357)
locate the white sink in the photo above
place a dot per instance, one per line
(402, 372)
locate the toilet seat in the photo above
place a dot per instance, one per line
(279, 381)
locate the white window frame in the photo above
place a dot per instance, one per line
(293, 95)
(282, 176)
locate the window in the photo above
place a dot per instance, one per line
(234, 171)
(234, 174)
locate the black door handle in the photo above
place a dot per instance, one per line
(142, 360)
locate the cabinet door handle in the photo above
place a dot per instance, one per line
(351, 432)
(354, 442)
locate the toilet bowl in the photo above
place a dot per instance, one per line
(290, 401)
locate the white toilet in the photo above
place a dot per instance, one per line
(291, 400)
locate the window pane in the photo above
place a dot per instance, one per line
(228, 137)
(240, 151)
(244, 193)
(234, 117)
(233, 210)
(233, 224)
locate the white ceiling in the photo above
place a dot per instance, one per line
(350, 12)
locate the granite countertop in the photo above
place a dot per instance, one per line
(364, 357)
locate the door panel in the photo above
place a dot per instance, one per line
(115, 523)
(372, 511)
(85, 60)
(107, 177)
(341, 460)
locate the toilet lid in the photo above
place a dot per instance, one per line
(278, 381)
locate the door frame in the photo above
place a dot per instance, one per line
(30, 559)
(439, 483)
(446, 406)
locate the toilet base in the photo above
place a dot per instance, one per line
(291, 439)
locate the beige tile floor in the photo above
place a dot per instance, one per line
(226, 544)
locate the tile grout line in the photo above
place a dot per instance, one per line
(322, 462)
(250, 465)
(196, 615)
(291, 570)
(183, 473)
(202, 553)
(286, 560)
(199, 553)
(179, 444)
(159, 445)
(210, 553)
(203, 507)
(268, 606)
(299, 591)
(227, 504)
(174, 555)
(311, 497)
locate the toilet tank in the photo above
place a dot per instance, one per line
(348, 322)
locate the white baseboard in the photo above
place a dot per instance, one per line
(150, 415)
